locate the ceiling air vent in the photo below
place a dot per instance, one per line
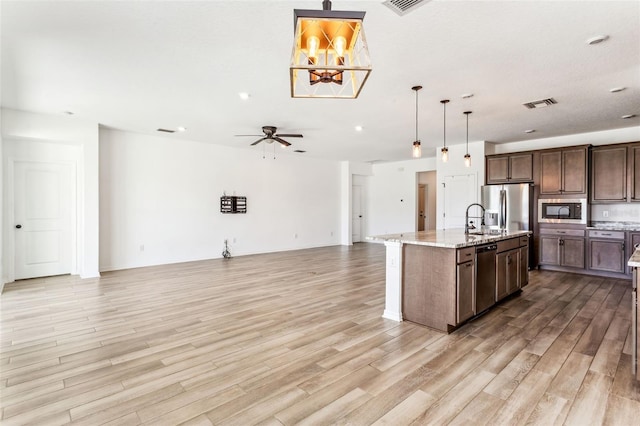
(166, 130)
(541, 103)
(402, 7)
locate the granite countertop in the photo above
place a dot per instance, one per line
(448, 238)
(634, 260)
(615, 226)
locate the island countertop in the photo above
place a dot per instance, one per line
(447, 238)
(634, 260)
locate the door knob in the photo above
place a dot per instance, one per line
(18, 226)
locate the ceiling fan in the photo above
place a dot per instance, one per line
(270, 135)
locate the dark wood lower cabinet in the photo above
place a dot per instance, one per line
(563, 248)
(466, 284)
(607, 255)
(507, 273)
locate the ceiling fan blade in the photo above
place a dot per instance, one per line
(286, 135)
(258, 141)
(255, 136)
(282, 141)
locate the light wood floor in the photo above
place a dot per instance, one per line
(298, 338)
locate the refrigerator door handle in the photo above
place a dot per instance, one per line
(503, 209)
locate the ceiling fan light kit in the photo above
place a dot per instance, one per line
(330, 57)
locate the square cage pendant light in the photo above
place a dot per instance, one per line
(330, 57)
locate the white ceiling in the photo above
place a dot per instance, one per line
(138, 66)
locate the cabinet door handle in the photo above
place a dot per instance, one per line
(562, 232)
(606, 233)
(561, 242)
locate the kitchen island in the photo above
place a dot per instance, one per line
(443, 278)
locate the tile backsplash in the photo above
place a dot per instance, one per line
(627, 212)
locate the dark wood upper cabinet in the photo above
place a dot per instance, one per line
(563, 171)
(609, 174)
(615, 173)
(634, 172)
(509, 168)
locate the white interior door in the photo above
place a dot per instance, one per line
(43, 217)
(356, 214)
(459, 191)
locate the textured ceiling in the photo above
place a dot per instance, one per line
(138, 66)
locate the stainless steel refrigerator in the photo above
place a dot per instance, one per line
(508, 207)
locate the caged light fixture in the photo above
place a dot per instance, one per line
(444, 150)
(417, 151)
(330, 57)
(467, 156)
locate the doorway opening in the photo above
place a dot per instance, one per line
(426, 205)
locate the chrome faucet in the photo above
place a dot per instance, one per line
(466, 218)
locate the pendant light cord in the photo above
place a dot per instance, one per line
(444, 121)
(416, 115)
(467, 114)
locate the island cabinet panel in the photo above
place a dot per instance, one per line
(523, 265)
(609, 174)
(563, 171)
(429, 286)
(466, 285)
(507, 272)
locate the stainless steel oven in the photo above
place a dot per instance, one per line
(567, 210)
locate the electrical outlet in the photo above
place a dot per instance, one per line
(295, 235)
(141, 247)
(605, 213)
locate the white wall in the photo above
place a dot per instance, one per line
(606, 137)
(455, 166)
(391, 197)
(164, 194)
(58, 131)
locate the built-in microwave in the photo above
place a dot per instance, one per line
(562, 210)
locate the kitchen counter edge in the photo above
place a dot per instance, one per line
(452, 238)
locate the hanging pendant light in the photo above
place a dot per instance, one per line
(467, 156)
(417, 150)
(330, 57)
(444, 150)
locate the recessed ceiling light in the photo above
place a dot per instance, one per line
(358, 128)
(617, 89)
(243, 95)
(181, 129)
(467, 96)
(530, 131)
(597, 39)
(628, 116)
